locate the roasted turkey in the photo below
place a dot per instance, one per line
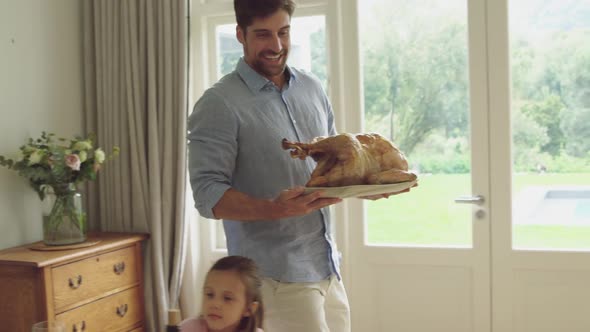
(347, 159)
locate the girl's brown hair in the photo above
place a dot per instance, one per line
(248, 274)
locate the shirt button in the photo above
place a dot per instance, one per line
(294, 122)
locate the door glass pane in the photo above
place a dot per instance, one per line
(550, 72)
(308, 47)
(416, 90)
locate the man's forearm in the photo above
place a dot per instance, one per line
(292, 202)
(236, 205)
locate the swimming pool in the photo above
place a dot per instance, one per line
(546, 205)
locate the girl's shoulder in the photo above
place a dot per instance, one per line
(259, 330)
(196, 324)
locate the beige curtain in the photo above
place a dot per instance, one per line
(135, 71)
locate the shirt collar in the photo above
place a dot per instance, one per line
(257, 82)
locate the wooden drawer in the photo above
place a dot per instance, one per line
(90, 278)
(30, 281)
(119, 312)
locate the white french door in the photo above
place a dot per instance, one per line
(411, 270)
(422, 261)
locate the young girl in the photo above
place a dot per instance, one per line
(232, 300)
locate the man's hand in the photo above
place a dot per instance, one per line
(386, 195)
(293, 202)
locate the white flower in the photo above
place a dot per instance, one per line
(73, 162)
(83, 155)
(19, 156)
(28, 149)
(99, 156)
(35, 157)
(82, 145)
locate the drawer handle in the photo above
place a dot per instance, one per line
(119, 267)
(82, 326)
(122, 310)
(76, 282)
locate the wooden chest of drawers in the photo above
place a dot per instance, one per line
(97, 288)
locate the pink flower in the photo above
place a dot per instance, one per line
(73, 162)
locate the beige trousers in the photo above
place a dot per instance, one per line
(305, 307)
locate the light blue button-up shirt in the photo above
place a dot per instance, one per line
(235, 134)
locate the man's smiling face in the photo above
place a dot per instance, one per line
(266, 45)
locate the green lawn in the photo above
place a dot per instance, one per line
(428, 215)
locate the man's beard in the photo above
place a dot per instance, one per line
(261, 66)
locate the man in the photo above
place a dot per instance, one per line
(240, 173)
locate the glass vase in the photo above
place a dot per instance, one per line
(64, 218)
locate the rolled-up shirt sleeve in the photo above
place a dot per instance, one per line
(212, 149)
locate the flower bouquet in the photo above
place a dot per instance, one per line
(54, 167)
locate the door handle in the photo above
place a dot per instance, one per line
(477, 199)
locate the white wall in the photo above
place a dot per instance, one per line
(40, 89)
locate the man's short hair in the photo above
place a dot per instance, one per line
(247, 10)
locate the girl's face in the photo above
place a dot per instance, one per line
(224, 301)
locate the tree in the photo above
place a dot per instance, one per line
(560, 91)
(527, 137)
(521, 64)
(318, 56)
(547, 114)
(416, 74)
(576, 126)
